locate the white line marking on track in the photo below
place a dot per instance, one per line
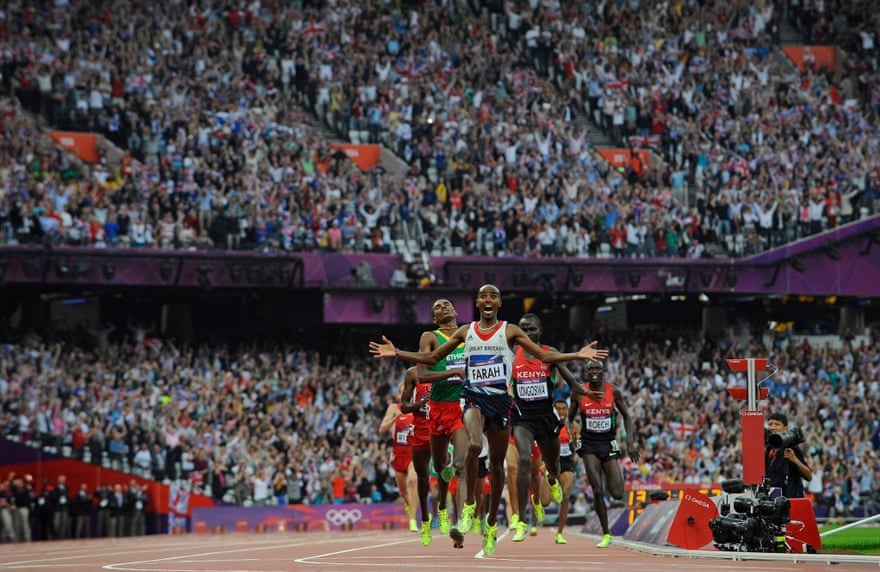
(128, 565)
(308, 559)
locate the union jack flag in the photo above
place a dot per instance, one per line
(644, 140)
(411, 69)
(617, 84)
(740, 166)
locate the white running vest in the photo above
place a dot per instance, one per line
(489, 361)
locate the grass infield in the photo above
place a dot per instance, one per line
(861, 540)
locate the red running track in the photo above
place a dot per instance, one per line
(387, 550)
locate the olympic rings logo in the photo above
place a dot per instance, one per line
(338, 517)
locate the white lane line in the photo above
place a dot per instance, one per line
(128, 565)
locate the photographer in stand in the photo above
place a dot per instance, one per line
(786, 466)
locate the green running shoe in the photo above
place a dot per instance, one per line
(489, 539)
(539, 510)
(467, 518)
(413, 525)
(447, 473)
(520, 533)
(443, 518)
(555, 491)
(560, 539)
(426, 533)
(514, 520)
(605, 542)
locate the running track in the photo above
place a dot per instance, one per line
(392, 551)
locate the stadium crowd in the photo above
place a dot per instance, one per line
(212, 109)
(211, 106)
(226, 421)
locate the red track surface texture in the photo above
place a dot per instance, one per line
(390, 550)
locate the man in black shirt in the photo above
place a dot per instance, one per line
(786, 466)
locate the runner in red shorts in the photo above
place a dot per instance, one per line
(445, 416)
(402, 427)
(414, 399)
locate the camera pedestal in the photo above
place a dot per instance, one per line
(752, 417)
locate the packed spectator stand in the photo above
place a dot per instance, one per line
(214, 108)
(227, 421)
(494, 108)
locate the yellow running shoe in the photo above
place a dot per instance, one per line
(489, 539)
(426, 533)
(539, 510)
(443, 518)
(514, 520)
(477, 526)
(413, 525)
(555, 491)
(605, 542)
(560, 539)
(520, 533)
(466, 522)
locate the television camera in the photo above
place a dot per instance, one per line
(758, 523)
(786, 439)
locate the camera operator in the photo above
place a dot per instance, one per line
(784, 461)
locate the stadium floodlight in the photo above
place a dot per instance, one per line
(165, 269)
(62, 269)
(635, 278)
(205, 271)
(706, 277)
(465, 278)
(832, 252)
(731, 277)
(109, 270)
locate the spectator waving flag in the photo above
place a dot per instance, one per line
(644, 141)
(178, 505)
(313, 30)
(682, 430)
(699, 64)
(152, 345)
(409, 68)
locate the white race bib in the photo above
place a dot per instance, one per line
(402, 437)
(491, 371)
(598, 424)
(455, 363)
(532, 390)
